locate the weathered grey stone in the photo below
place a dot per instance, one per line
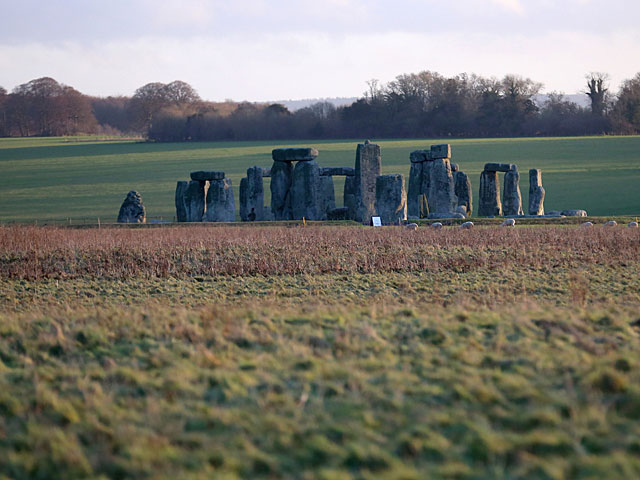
(181, 207)
(221, 206)
(446, 215)
(512, 199)
(498, 167)
(255, 194)
(574, 213)
(419, 156)
(350, 197)
(305, 191)
(331, 171)
(391, 199)
(294, 154)
(244, 214)
(415, 189)
(281, 179)
(463, 191)
(536, 192)
(462, 210)
(490, 204)
(368, 168)
(441, 151)
(454, 167)
(205, 176)
(132, 209)
(442, 197)
(194, 200)
(326, 197)
(338, 214)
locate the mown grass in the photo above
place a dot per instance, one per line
(319, 352)
(56, 179)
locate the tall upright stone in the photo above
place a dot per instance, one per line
(305, 191)
(132, 209)
(463, 191)
(415, 189)
(442, 197)
(221, 206)
(490, 204)
(255, 194)
(350, 197)
(391, 199)
(511, 198)
(194, 199)
(368, 168)
(281, 179)
(326, 197)
(181, 207)
(536, 192)
(244, 214)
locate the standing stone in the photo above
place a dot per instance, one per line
(326, 197)
(132, 210)
(194, 200)
(368, 168)
(463, 191)
(442, 197)
(415, 189)
(255, 194)
(490, 204)
(536, 192)
(221, 206)
(512, 199)
(427, 167)
(181, 207)
(244, 214)
(281, 178)
(350, 197)
(305, 191)
(391, 199)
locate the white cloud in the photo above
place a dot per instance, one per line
(510, 5)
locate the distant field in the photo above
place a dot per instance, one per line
(59, 178)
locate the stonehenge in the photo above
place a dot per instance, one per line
(391, 199)
(368, 168)
(208, 197)
(490, 203)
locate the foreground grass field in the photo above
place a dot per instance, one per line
(319, 352)
(57, 179)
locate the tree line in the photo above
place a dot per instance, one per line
(424, 104)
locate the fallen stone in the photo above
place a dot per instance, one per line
(206, 176)
(467, 225)
(294, 154)
(338, 214)
(305, 191)
(391, 199)
(326, 197)
(441, 151)
(574, 213)
(281, 179)
(536, 192)
(509, 222)
(221, 206)
(332, 171)
(498, 167)
(368, 168)
(132, 209)
(194, 199)
(463, 191)
(419, 156)
(181, 207)
(511, 198)
(611, 223)
(490, 204)
(446, 215)
(441, 196)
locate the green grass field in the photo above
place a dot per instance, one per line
(58, 178)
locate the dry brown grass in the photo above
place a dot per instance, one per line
(41, 252)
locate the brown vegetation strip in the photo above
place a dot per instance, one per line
(42, 252)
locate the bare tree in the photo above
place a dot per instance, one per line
(597, 92)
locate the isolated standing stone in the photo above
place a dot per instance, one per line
(442, 197)
(536, 192)
(132, 209)
(255, 194)
(490, 204)
(368, 168)
(181, 207)
(326, 197)
(415, 189)
(305, 191)
(512, 199)
(463, 191)
(221, 206)
(281, 179)
(195, 200)
(391, 198)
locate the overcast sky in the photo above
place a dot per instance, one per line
(261, 50)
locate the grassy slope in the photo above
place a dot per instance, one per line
(57, 178)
